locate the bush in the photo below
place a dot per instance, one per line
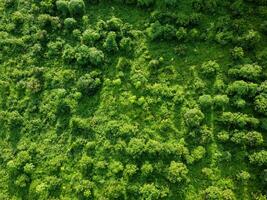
(90, 83)
(76, 7)
(264, 27)
(177, 172)
(193, 117)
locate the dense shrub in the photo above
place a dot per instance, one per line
(114, 24)
(171, 2)
(126, 44)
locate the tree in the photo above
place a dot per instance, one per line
(170, 2)
(88, 56)
(146, 169)
(62, 6)
(90, 36)
(181, 34)
(261, 103)
(250, 39)
(220, 101)
(210, 68)
(248, 71)
(242, 88)
(223, 136)
(193, 117)
(126, 44)
(205, 101)
(237, 53)
(253, 138)
(145, 3)
(76, 7)
(110, 43)
(259, 158)
(90, 83)
(177, 172)
(70, 23)
(149, 192)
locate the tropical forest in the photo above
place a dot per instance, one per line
(133, 99)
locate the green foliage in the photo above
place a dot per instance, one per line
(70, 23)
(174, 109)
(209, 69)
(76, 7)
(90, 37)
(83, 55)
(89, 83)
(110, 43)
(258, 158)
(145, 3)
(205, 101)
(177, 172)
(193, 118)
(248, 72)
(62, 6)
